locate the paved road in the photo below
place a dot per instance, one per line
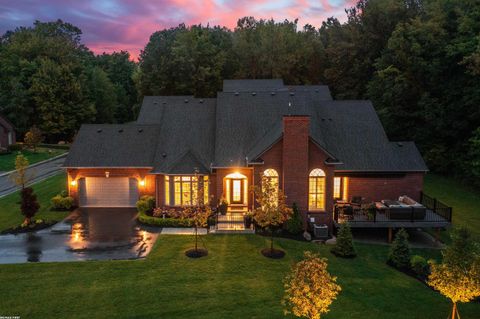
(40, 172)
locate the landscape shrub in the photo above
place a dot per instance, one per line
(146, 204)
(399, 255)
(164, 222)
(62, 201)
(344, 246)
(294, 225)
(419, 266)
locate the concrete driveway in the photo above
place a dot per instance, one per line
(86, 234)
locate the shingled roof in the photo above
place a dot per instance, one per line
(113, 145)
(183, 133)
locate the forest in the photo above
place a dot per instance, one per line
(417, 60)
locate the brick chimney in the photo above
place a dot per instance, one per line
(295, 160)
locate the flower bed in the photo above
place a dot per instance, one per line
(164, 222)
(33, 226)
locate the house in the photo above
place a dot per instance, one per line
(317, 150)
(7, 133)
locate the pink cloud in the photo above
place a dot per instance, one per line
(114, 25)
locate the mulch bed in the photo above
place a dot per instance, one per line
(274, 254)
(32, 227)
(196, 253)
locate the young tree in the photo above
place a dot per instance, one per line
(399, 255)
(199, 215)
(344, 246)
(309, 288)
(458, 276)
(294, 225)
(33, 137)
(21, 177)
(29, 204)
(271, 211)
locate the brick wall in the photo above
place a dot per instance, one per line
(295, 160)
(376, 188)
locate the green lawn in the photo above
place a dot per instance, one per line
(233, 281)
(10, 208)
(7, 162)
(464, 200)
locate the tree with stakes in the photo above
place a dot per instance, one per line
(199, 214)
(309, 288)
(271, 212)
(458, 276)
(344, 246)
(399, 255)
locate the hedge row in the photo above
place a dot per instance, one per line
(164, 222)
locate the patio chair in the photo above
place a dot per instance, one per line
(357, 202)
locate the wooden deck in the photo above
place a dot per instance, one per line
(360, 220)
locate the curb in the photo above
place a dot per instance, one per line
(38, 163)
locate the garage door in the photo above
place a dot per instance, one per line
(108, 192)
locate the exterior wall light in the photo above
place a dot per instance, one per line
(73, 183)
(107, 174)
(141, 182)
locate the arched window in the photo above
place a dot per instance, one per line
(316, 192)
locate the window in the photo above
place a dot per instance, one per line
(186, 190)
(206, 196)
(167, 190)
(337, 187)
(316, 193)
(272, 177)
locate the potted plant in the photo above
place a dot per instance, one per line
(223, 206)
(371, 211)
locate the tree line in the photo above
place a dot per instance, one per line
(417, 60)
(50, 80)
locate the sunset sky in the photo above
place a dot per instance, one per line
(113, 25)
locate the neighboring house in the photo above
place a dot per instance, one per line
(7, 133)
(315, 149)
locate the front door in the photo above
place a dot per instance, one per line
(236, 193)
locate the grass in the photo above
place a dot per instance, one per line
(10, 208)
(233, 281)
(464, 200)
(7, 161)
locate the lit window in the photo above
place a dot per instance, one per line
(316, 193)
(205, 190)
(186, 190)
(337, 187)
(167, 190)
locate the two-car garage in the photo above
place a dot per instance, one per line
(107, 192)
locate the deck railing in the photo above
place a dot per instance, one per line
(436, 211)
(436, 206)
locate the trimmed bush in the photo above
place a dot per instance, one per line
(62, 202)
(294, 225)
(419, 266)
(399, 255)
(146, 204)
(164, 222)
(344, 246)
